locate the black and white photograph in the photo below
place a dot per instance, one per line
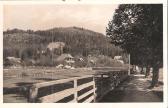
(83, 53)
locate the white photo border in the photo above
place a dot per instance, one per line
(88, 105)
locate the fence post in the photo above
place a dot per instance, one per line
(76, 92)
(33, 94)
(94, 88)
(101, 84)
(111, 81)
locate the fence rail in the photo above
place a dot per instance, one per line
(55, 97)
(99, 84)
(107, 81)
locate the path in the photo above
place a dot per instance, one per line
(135, 89)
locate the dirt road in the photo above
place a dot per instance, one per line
(135, 89)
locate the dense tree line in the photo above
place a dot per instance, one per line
(78, 41)
(138, 29)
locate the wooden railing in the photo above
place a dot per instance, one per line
(102, 82)
(57, 96)
(106, 79)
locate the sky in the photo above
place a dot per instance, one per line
(41, 17)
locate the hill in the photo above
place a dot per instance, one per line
(78, 42)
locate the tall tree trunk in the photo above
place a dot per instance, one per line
(147, 71)
(155, 76)
(141, 70)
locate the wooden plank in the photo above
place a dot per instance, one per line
(33, 92)
(94, 88)
(57, 96)
(109, 68)
(85, 85)
(90, 99)
(49, 83)
(86, 76)
(86, 94)
(76, 92)
(105, 76)
(101, 84)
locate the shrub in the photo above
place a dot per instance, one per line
(105, 61)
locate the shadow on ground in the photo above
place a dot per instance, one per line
(134, 89)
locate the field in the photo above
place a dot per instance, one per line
(22, 76)
(17, 79)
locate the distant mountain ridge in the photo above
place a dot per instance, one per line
(74, 28)
(55, 29)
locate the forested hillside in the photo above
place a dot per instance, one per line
(78, 41)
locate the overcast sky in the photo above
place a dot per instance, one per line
(41, 17)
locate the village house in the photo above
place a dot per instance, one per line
(14, 61)
(56, 47)
(119, 59)
(66, 59)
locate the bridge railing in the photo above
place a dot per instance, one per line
(57, 96)
(89, 88)
(107, 81)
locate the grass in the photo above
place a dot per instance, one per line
(18, 80)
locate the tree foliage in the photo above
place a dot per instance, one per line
(138, 29)
(78, 42)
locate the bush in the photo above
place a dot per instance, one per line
(6, 62)
(79, 63)
(26, 53)
(46, 60)
(105, 61)
(10, 52)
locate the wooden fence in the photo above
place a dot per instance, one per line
(55, 97)
(107, 81)
(100, 84)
